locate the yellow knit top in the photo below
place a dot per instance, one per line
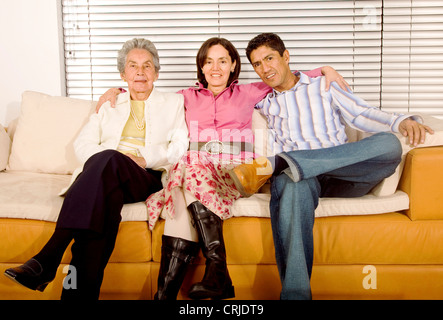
(133, 135)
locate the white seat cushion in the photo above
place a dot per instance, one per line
(258, 205)
(28, 195)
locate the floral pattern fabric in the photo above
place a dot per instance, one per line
(206, 177)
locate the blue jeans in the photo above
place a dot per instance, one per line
(349, 170)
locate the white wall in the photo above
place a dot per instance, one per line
(30, 52)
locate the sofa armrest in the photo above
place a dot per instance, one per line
(422, 180)
(5, 146)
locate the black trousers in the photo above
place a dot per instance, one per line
(91, 210)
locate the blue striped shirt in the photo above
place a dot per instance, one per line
(308, 117)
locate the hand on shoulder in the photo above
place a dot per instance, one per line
(110, 95)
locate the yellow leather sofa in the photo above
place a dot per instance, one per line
(391, 255)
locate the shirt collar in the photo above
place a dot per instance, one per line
(304, 80)
(200, 86)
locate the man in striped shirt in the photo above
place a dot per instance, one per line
(312, 158)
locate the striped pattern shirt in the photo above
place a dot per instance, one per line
(308, 117)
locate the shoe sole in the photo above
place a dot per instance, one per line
(238, 184)
(40, 288)
(205, 294)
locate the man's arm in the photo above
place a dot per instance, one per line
(358, 113)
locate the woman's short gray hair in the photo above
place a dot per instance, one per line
(137, 43)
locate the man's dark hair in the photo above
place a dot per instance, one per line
(270, 40)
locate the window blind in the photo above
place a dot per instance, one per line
(344, 34)
(95, 30)
(413, 56)
(386, 49)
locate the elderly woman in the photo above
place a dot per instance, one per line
(124, 150)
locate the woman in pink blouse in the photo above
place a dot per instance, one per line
(219, 119)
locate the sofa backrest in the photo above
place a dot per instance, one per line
(44, 133)
(5, 145)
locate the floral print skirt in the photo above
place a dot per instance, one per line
(206, 177)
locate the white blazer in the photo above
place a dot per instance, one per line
(166, 137)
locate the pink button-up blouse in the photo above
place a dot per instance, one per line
(226, 117)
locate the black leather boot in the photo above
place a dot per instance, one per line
(216, 283)
(31, 275)
(177, 254)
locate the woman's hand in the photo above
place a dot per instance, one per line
(332, 75)
(110, 95)
(138, 160)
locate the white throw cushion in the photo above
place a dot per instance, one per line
(390, 184)
(46, 130)
(5, 144)
(260, 129)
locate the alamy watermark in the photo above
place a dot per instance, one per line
(370, 281)
(370, 18)
(70, 281)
